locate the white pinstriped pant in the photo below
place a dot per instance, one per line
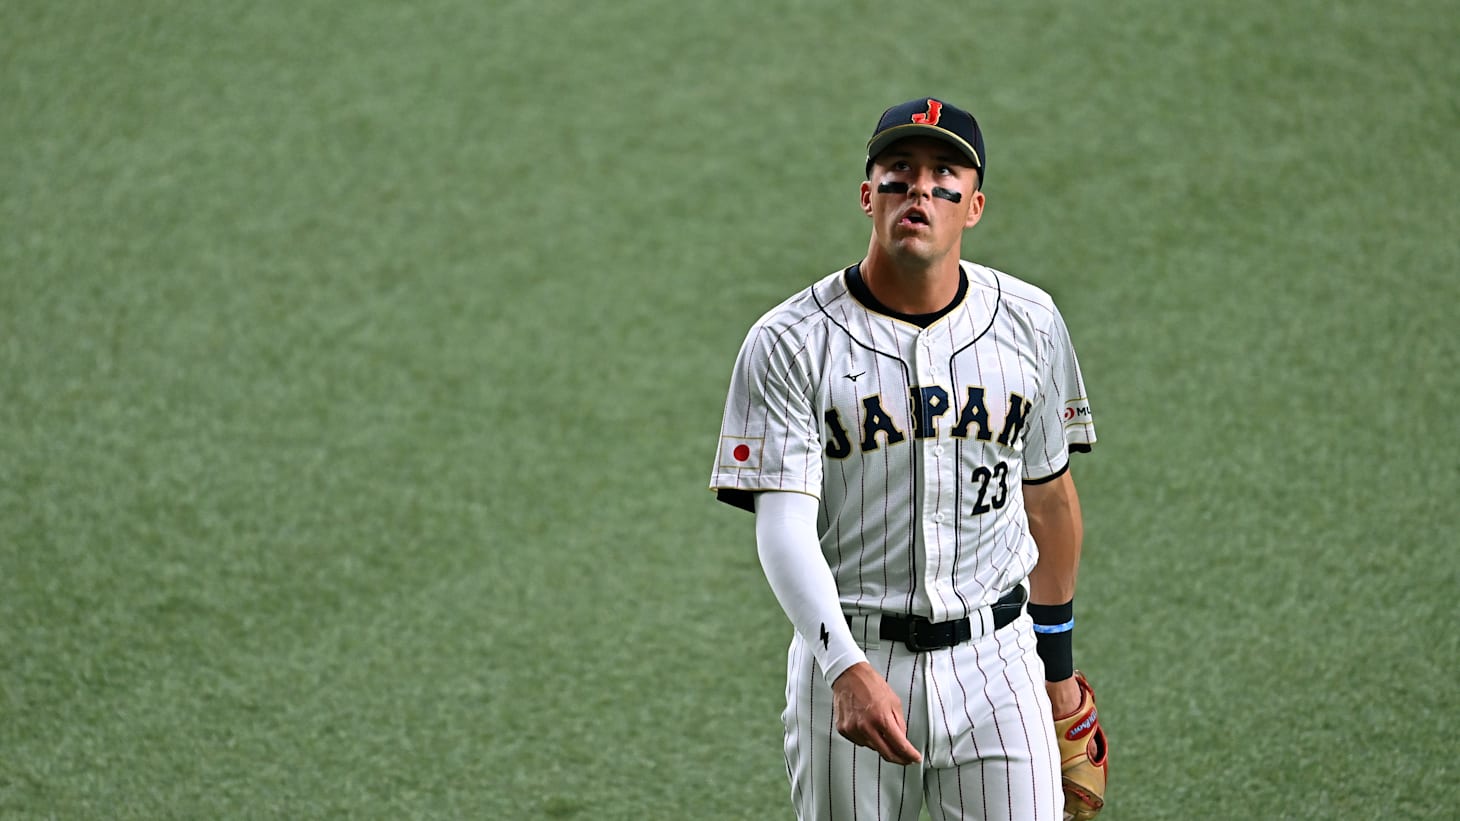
(978, 713)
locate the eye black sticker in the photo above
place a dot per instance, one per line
(901, 188)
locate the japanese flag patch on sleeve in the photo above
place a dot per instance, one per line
(741, 452)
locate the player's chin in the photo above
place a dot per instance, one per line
(914, 248)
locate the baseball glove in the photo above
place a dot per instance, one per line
(1082, 756)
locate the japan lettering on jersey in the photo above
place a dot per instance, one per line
(916, 440)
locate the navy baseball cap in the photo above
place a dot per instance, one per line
(929, 117)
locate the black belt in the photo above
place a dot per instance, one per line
(921, 635)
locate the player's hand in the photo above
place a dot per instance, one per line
(869, 714)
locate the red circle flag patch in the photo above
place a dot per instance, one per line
(741, 452)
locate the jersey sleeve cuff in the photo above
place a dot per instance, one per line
(1050, 478)
(1075, 447)
(735, 497)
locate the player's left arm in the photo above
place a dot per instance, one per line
(1055, 522)
(1061, 426)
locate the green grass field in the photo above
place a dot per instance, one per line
(361, 367)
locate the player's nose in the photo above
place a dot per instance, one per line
(920, 184)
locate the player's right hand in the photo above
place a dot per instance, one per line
(869, 714)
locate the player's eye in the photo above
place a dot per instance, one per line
(900, 165)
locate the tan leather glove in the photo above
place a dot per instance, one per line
(1082, 756)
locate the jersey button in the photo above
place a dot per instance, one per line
(938, 517)
(938, 451)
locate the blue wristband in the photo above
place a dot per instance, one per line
(1055, 628)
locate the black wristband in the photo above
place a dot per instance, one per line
(1054, 627)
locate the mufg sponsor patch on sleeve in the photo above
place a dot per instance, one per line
(1077, 412)
(741, 452)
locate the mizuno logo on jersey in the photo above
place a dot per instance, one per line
(927, 407)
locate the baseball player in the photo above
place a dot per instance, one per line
(902, 432)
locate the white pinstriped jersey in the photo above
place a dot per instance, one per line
(915, 440)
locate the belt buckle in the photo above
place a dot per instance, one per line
(914, 643)
(1008, 607)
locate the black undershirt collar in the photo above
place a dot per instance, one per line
(863, 294)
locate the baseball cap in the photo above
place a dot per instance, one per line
(929, 117)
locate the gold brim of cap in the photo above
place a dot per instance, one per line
(898, 132)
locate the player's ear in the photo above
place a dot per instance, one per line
(975, 209)
(867, 198)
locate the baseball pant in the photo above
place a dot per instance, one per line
(977, 711)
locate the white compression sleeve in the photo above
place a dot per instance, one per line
(790, 554)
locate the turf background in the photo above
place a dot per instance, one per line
(361, 366)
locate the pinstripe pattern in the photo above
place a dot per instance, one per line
(912, 440)
(977, 711)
